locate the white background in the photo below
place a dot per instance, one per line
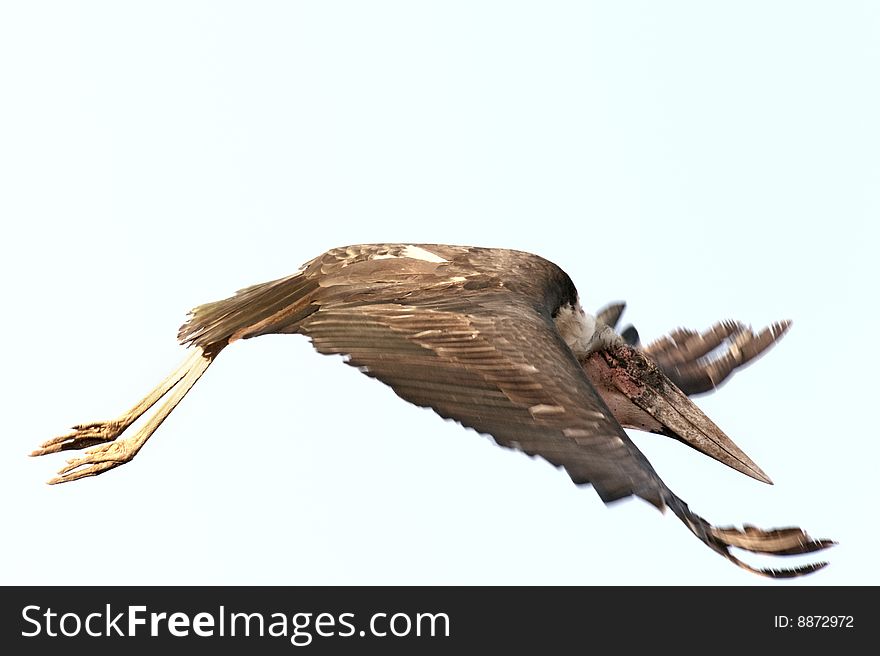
(699, 160)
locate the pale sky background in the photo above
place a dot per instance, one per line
(700, 160)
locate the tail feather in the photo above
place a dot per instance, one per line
(255, 310)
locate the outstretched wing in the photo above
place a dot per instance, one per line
(502, 369)
(698, 362)
(499, 367)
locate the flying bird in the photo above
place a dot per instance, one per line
(497, 340)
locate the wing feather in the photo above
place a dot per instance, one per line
(503, 371)
(691, 360)
(700, 362)
(506, 372)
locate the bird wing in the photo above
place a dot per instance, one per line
(699, 362)
(501, 368)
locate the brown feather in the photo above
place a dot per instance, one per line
(471, 333)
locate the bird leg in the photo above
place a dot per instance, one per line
(107, 456)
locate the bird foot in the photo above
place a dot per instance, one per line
(98, 460)
(83, 436)
(111, 451)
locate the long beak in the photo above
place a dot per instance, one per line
(640, 396)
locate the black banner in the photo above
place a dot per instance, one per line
(431, 619)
